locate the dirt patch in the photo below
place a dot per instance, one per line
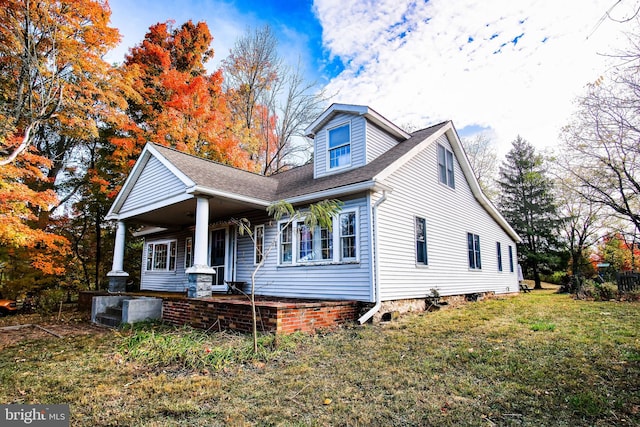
(25, 327)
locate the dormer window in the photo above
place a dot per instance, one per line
(340, 146)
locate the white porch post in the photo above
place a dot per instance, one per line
(201, 274)
(117, 276)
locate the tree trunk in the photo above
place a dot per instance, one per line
(536, 277)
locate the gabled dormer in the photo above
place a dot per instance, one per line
(350, 136)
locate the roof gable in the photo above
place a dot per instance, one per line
(360, 110)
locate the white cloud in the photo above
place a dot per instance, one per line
(513, 66)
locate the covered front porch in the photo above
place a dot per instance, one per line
(187, 226)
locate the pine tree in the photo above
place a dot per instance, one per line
(527, 203)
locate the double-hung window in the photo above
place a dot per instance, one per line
(286, 244)
(161, 255)
(258, 240)
(339, 146)
(348, 236)
(473, 243)
(499, 251)
(301, 244)
(421, 241)
(445, 166)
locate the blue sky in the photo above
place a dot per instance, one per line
(501, 67)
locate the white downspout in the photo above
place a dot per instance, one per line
(376, 269)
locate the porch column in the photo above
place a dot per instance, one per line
(201, 274)
(117, 276)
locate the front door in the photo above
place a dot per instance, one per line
(218, 254)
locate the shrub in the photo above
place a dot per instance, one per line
(49, 300)
(556, 277)
(600, 291)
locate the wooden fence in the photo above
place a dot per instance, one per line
(628, 281)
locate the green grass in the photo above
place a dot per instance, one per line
(537, 359)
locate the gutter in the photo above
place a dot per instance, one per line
(376, 269)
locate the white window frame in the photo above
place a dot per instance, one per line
(188, 252)
(172, 252)
(258, 244)
(341, 146)
(446, 165)
(336, 242)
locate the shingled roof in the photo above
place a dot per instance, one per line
(295, 182)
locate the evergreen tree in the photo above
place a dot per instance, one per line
(527, 203)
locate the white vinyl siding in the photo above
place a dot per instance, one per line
(284, 276)
(147, 191)
(449, 216)
(378, 142)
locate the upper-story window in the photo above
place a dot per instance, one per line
(445, 166)
(339, 146)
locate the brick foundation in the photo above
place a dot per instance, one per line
(275, 316)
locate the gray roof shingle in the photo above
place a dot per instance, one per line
(298, 181)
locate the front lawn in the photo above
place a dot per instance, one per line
(536, 359)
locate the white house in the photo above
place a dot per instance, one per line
(414, 219)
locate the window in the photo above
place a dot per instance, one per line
(421, 241)
(161, 256)
(445, 166)
(510, 258)
(313, 245)
(188, 252)
(499, 250)
(473, 242)
(339, 146)
(348, 236)
(258, 235)
(286, 244)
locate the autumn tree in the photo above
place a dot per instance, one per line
(180, 104)
(55, 91)
(484, 162)
(271, 100)
(527, 202)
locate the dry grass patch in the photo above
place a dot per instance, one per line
(537, 359)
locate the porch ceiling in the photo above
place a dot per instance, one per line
(183, 213)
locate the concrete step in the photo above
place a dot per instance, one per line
(111, 320)
(116, 310)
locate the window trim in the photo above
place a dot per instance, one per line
(329, 149)
(172, 252)
(473, 251)
(499, 253)
(258, 236)
(446, 166)
(336, 245)
(424, 262)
